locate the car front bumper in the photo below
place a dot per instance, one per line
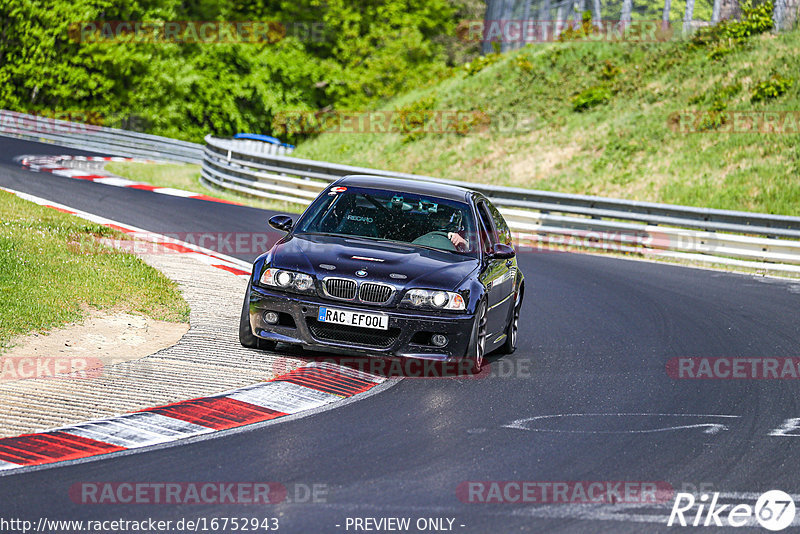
(408, 336)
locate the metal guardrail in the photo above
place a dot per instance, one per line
(263, 143)
(544, 219)
(100, 139)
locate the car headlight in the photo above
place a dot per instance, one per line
(430, 298)
(287, 280)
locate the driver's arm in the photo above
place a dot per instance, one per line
(459, 242)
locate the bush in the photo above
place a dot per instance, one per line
(609, 71)
(523, 64)
(772, 88)
(575, 33)
(480, 63)
(755, 20)
(413, 118)
(591, 97)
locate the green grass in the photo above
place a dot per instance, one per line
(187, 178)
(595, 118)
(52, 268)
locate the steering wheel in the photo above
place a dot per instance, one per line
(436, 239)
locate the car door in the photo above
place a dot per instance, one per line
(508, 284)
(495, 274)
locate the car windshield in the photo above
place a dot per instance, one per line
(393, 215)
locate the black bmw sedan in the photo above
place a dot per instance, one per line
(389, 267)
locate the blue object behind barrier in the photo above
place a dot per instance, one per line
(264, 138)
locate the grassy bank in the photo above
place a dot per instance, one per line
(52, 268)
(609, 119)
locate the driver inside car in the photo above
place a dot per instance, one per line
(449, 223)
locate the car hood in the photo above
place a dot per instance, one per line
(384, 261)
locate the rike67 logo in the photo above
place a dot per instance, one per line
(774, 510)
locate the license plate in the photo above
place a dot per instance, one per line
(353, 318)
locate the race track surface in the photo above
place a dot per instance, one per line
(596, 336)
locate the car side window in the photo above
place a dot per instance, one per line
(488, 233)
(504, 234)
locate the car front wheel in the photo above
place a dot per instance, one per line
(246, 336)
(477, 347)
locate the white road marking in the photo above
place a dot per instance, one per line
(72, 172)
(112, 180)
(175, 192)
(710, 428)
(788, 426)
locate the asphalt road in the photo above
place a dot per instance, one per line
(596, 335)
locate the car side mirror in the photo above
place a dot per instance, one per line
(501, 251)
(281, 222)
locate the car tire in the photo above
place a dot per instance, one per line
(476, 353)
(246, 336)
(512, 330)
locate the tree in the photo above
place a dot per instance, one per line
(625, 15)
(688, 16)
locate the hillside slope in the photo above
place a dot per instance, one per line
(613, 119)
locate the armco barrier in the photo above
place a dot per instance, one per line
(544, 219)
(100, 139)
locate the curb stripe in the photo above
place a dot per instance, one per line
(111, 180)
(137, 430)
(62, 210)
(284, 397)
(340, 370)
(219, 413)
(311, 386)
(325, 381)
(6, 465)
(51, 165)
(36, 449)
(232, 270)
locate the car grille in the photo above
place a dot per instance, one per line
(340, 288)
(375, 293)
(353, 335)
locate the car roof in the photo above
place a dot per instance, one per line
(444, 191)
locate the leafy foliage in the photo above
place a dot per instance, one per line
(591, 97)
(334, 53)
(480, 63)
(772, 88)
(756, 19)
